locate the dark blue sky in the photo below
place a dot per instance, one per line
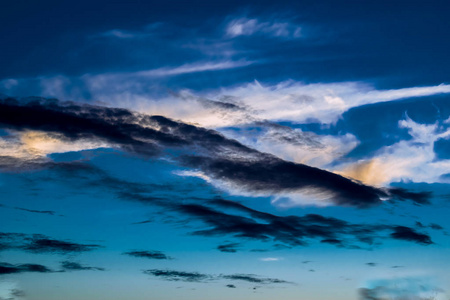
(390, 43)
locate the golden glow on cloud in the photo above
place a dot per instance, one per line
(372, 172)
(41, 143)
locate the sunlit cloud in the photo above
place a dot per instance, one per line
(407, 160)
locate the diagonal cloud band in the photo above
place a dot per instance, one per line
(225, 162)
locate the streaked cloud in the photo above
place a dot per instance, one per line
(227, 162)
(147, 254)
(247, 27)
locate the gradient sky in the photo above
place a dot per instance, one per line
(224, 150)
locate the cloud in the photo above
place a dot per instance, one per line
(249, 27)
(74, 266)
(229, 248)
(231, 286)
(409, 234)
(9, 290)
(271, 259)
(250, 112)
(38, 243)
(171, 275)
(412, 288)
(6, 268)
(253, 278)
(230, 164)
(406, 160)
(47, 212)
(293, 230)
(148, 254)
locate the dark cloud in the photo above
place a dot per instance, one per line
(431, 225)
(48, 212)
(41, 244)
(409, 234)
(436, 226)
(148, 254)
(253, 278)
(272, 175)
(335, 242)
(372, 264)
(74, 266)
(221, 158)
(230, 248)
(178, 275)
(172, 275)
(6, 268)
(418, 198)
(231, 286)
(292, 230)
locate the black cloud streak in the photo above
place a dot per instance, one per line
(48, 212)
(292, 230)
(172, 275)
(148, 254)
(6, 268)
(41, 245)
(229, 248)
(38, 243)
(74, 266)
(219, 157)
(254, 278)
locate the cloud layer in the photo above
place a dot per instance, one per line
(229, 163)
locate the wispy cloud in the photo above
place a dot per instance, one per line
(38, 243)
(148, 254)
(271, 259)
(247, 27)
(7, 268)
(192, 68)
(414, 288)
(413, 159)
(74, 266)
(172, 275)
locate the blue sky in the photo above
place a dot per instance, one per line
(228, 149)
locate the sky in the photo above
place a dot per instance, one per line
(224, 150)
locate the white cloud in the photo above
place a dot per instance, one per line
(193, 68)
(401, 288)
(271, 259)
(247, 27)
(34, 146)
(407, 160)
